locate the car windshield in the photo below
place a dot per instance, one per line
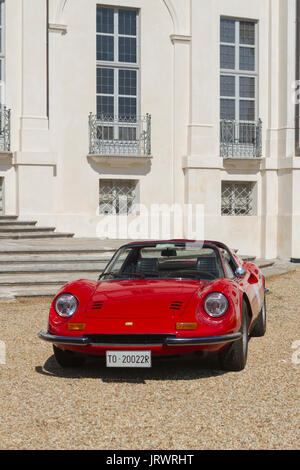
(165, 261)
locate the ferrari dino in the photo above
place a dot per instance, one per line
(161, 298)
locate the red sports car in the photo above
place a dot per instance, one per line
(161, 298)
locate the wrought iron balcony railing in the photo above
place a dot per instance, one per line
(120, 135)
(240, 139)
(4, 129)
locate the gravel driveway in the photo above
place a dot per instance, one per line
(178, 404)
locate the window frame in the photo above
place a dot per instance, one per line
(130, 211)
(253, 195)
(237, 73)
(115, 65)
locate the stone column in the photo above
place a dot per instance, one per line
(180, 11)
(34, 118)
(34, 162)
(180, 112)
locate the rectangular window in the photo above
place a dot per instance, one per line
(117, 64)
(238, 198)
(239, 74)
(117, 196)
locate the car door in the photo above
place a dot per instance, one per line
(251, 283)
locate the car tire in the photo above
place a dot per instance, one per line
(234, 357)
(260, 326)
(67, 358)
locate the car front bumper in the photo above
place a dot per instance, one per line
(169, 341)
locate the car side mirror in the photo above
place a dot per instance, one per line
(240, 272)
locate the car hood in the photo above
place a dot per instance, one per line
(118, 303)
(141, 298)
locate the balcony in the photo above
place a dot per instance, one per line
(240, 139)
(4, 130)
(122, 137)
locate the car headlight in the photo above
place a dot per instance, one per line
(66, 305)
(216, 304)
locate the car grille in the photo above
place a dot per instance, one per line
(125, 339)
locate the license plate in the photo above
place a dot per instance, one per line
(128, 358)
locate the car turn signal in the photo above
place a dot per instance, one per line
(76, 326)
(186, 326)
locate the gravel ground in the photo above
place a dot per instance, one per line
(178, 404)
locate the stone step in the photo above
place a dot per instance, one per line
(45, 279)
(16, 223)
(248, 258)
(8, 217)
(264, 263)
(50, 258)
(11, 228)
(31, 269)
(24, 228)
(70, 246)
(11, 293)
(34, 235)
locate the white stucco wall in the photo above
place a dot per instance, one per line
(49, 175)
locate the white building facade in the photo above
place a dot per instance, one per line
(109, 104)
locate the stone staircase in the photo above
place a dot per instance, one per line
(39, 274)
(38, 261)
(13, 228)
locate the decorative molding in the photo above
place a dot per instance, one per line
(180, 38)
(5, 155)
(172, 12)
(243, 163)
(34, 159)
(201, 125)
(118, 161)
(57, 25)
(58, 28)
(192, 162)
(286, 163)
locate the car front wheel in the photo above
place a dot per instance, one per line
(234, 357)
(67, 358)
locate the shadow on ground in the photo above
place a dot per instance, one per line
(188, 367)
